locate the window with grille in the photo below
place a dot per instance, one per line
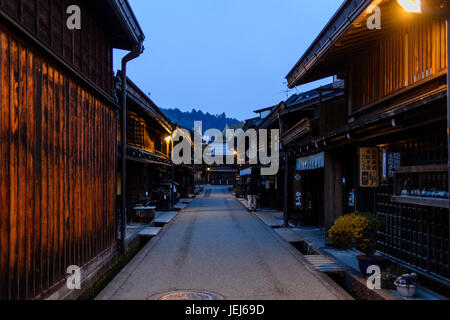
(416, 235)
(135, 131)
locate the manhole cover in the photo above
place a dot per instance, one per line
(187, 295)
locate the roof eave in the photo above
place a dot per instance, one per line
(124, 13)
(145, 103)
(349, 11)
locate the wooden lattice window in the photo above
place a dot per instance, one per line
(417, 235)
(135, 131)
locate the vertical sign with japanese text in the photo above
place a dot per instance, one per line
(369, 167)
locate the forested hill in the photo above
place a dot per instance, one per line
(186, 119)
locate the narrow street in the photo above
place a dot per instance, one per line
(216, 246)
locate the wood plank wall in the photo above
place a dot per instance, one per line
(89, 50)
(57, 172)
(407, 55)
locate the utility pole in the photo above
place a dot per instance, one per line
(286, 171)
(172, 194)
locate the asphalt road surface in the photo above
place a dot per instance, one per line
(216, 246)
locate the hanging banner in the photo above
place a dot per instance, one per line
(316, 161)
(246, 172)
(369, 168)
(297, 189)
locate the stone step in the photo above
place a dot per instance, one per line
(180, 206)
(288, 235)
(324, 264)
(269, 220)
(164, 217)
(150, 232)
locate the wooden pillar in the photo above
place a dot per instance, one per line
(286, 191)
(334, 190)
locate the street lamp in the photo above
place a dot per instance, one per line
(168, 140)
(413, 6)
(436, 9)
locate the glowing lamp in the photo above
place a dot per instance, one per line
(413, 6)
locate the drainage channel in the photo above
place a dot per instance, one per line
(304, 248)
(327, 266)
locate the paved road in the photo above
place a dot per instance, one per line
(216, 246)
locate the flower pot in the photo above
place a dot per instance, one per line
(364, 262)
(406, 291)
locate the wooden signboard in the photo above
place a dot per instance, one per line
(369, 167)
(297, 188)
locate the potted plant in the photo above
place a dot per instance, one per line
(390, 274)
(359, 229)
(344, 230)
(366, 242)
(407, 285)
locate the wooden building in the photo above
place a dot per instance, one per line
(149, 147)
(388, 153)
(184, 173)
(150, 170)
(305, 119)
(221, 175)
(58, 149)
(270, 188)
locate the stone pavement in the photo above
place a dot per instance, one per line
(215, 245)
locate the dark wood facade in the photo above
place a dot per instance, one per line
(149, 164)
(58, 147)
(88, 52)
(307, 116)
(221, 176)
(394, 101)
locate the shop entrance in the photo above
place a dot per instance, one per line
(314, 197)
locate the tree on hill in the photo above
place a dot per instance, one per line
(210, 121)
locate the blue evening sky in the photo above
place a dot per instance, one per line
(227, 56)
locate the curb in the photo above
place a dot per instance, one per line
(338, 291)
(125, 273)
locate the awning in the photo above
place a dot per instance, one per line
(246, 172)
(313, 162)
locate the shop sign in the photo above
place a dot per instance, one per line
(297, 188)
(369, 167)
(298, 200)
(351, 198)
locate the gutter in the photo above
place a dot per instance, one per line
(136, 52)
